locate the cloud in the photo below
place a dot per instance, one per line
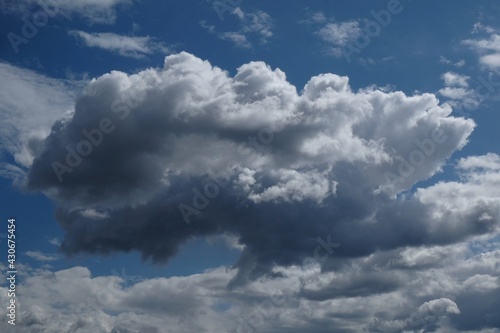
(457, 291)
(55, 241)
(134, 47)
(343, 38)
(238, 39)
(165, 155)
(458, 92)
(93, 11)
(270, 170)
(492, 60)
(490, 44)
(476, 195)
(314, 17)
(29, 105)
(455, 80)
(488, 48)
(426, 319)
(253, 25)
(37, 255)
(258, 22)
(340, 34)
(444, 60)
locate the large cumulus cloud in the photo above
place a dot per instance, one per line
(150, 160)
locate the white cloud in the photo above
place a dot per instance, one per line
(472, 203)
(314, 17)
(318, 17)
(455, 80)
(134, 47)
(257, 22)
(55, 241)
(459, 63)
(94, 214)
(455, 93)
(37, 255)
(491, 60)
(490, 44)
(489, 50)
(30, 103)
(340, 34)
(489, 161)
(240, 40)
(295, 186)
(478, 27)
(458, 91)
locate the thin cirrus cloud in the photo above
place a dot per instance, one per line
(127, 46)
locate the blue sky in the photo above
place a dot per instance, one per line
(340, 97)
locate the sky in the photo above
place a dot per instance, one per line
(251, 166)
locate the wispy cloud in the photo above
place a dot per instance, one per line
(30, 104)
(55, 241)
(314, 17)
(127, 46)
(40, 256)
(457, 91)
(339, 34)
(239, 39)
(254, 25)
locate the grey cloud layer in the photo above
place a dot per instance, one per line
(448, 289)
